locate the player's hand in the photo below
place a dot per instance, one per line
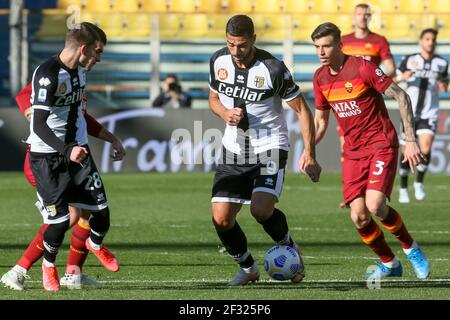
(406, 75)
(78, 154)
(27, 113)
(309, 166)
(233, 116)
(412, 154)
(119, 150)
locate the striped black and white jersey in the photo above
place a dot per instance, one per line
(59, 90)
(259, 90)
(422, 85)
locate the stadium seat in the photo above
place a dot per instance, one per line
(343, 20)
(126, 6)
(64, 4)
(98, 5)
(443, 24)
(182, 6)
(216, 25)
(155, 6)
(399, 26)
(323, 6)
(137, 25)
(304, 24)
(271, 26)
(269, 6)
(169, 25)
(193, 26)
(53, 25)
(347, 6)
(295, 6)
(210, 6)
(111, 23)
(386, 6)
(412, 6)
(439, 6)
(240, 6)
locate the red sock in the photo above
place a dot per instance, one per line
(372, 235)
(394, 224)
(78, 251)
(34, 251)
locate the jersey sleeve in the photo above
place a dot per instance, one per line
(283, 83)
(23, 98)
(44, 84)
(443, 76)
(373, 76)
(213, 83)
(319, 99)
(385, 51)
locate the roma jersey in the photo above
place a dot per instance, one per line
(354, 95)
(374, 47)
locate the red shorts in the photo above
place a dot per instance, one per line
(376, 172)
(27, 169)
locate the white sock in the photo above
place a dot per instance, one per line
(20, 269)
(413, 246)
(394, 263)
(94, 245)
(48, 264)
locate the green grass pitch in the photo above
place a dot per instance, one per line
(163, 237)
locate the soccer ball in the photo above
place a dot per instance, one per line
(282, 262)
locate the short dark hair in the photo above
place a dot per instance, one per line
(327, 29)
(429, 30)
(362, 5)
(172, 75)
(240, 25)
(85, 33)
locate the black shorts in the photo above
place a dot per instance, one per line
(236, 182)
(428, 126)
(60, 184)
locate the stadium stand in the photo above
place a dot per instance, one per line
(190, 31)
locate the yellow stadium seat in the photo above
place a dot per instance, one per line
(296, 6)
(126, 5)
(439, 6)
(399, 26)
(323, 6)
(137, 25)
(343, 20)
(304, 24)
(210, 6)
(193, 26)
(271, 26)
(64, 4)
(53, 25)
(216, 25)
(155, 6)
(269, 6)
(111, 23)
(443, 24)
(182, 6)
(97, 5)
(240, 6)
(426, 21)
(347, 6)
(169, 25)
(411, 6)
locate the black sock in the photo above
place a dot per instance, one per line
(277, 228)
(422, 169)
(404, 172)
(235, 241)
(53, 238)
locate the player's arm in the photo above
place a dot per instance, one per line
(119, 150)
(321, 118)
(412, 152)
(389, 66)
(307, 162)
(443, 80)
(230, 116)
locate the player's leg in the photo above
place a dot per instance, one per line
(266, 193)
(425, 139)
(232, 188)
(390, 219)
(89, 193)
(340, 133)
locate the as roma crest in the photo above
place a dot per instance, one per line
(348, 87)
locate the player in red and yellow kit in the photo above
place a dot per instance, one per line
(369, 45)
(351, 87)
(79, 218)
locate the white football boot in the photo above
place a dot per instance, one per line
(403, 196)
(14, 279)
(246, 275)
(301, 272)
(75, 279)
(419, 191)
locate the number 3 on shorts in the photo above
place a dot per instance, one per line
(379, 165)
